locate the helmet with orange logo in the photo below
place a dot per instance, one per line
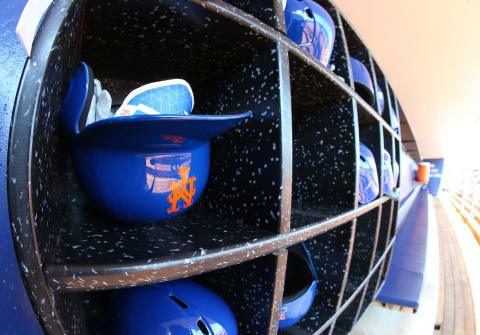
(150, 165)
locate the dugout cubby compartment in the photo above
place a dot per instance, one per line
(246, 166)
(369, 295)
(386, 265)
(371, 137)
(245, 175)
(263, 10)
(401, 117)
(323, 147)
(389, 143)
(395, 223)
(358, 50)
(338, 61)
(366, 235)
(384, 230)
(392, 110)
(398, 157)
(248, 289)
(382, 84)
(346, 320)
(329, 253)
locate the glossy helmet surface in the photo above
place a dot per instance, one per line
(363, 81)
(368, 183)
(311, 27)
(300, 285)
(179, 307)
(394, 120)
(142, 167)
(380, 99)
(396, 172)
(388, 177)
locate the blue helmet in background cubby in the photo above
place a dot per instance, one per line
(381, 100)
(388, 175)
(363, 81)
(368, 187)
(179, 307)
(311, 27)
(300, 286)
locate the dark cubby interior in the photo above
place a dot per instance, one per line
(329, 253)
(345, 322)
(392, 110)
(370, 137)
(386, 265)
(263, 10)
(297, 279)
(363, 249)
(388, 144)
(384, 230)
(398, 157)
(370, 293)
(162, 40)
(246, 165)
(395, 224)
(382, 84)
(246, 288)
(88, 237)
(323, 147)
(358, 50)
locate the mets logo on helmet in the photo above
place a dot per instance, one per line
(183, 189)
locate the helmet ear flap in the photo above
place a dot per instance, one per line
(76, 105)
(300, 286)
(82, 121)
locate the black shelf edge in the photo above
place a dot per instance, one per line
(282, 256)
(110, 276)
(287, 138)
(359, 289)
(20, 157)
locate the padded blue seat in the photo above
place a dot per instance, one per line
(405, 277)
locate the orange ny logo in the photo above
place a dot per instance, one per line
(183, 189)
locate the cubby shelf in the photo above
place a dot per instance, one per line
(286, 175)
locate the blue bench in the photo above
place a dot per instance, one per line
(405, 277)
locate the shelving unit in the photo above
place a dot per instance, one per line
(286, 175)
